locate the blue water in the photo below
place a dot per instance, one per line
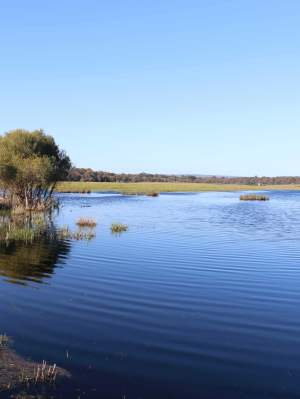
(200, 298)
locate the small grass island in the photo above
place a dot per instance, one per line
(254, 197)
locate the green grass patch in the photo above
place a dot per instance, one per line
(148, 188)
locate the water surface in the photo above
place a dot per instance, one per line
(199, 299)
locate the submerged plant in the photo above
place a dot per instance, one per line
(118, 227)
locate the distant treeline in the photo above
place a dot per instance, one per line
(89, 175)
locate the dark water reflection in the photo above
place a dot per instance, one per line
(199, 299)
(25, 263)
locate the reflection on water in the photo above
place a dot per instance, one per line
(198, 299)
(21, 263)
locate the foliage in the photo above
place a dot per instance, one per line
(90, 175)
(31, 163)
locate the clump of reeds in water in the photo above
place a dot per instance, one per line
(254, 197)
(30, 228)
(153, 194)
(66, 233)
(118, 228)
(4, 340)
(23, 228)
(17, 372)
(84, 222)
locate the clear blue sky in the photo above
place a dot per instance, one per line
(168, 86)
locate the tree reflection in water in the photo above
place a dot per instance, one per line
(23, 263)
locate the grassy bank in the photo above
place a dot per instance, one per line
(17, 372)
(146, 188)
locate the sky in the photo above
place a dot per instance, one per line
(161, 86)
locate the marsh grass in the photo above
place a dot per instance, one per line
(28, 229)
(118, 228)
(18, 372)
(4, 341)
(254, 197)
(85, 222)
(20, 228)
(67, 234)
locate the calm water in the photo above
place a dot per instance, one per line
(199, 299)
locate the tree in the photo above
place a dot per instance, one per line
(31, 164)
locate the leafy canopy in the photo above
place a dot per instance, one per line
(30, 164)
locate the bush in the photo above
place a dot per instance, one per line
(31, 163)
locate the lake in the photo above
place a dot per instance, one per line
(200, 298)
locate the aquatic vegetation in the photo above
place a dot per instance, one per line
(36, 226)
(254, 197)
(66, 233)
(3, 340)
(118, 228)
(153, 194)
(14, 228)
(83, 222)
(85, 231)
(18, 372)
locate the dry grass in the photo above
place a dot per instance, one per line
(254, 197)
(17, 372)
(84, 222)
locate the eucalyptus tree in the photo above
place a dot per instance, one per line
(31, 164)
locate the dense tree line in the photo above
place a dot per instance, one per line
(89, 175)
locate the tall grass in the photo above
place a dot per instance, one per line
(27, 229)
